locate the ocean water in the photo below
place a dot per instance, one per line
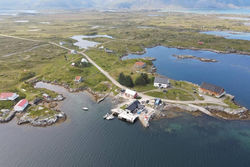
(241, 11)
(232, 71)
(229, 34)
(85, 139)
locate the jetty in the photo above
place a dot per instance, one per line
(124, 115)
(128, 116)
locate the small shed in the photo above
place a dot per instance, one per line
(84, 60)
(78, 79)
(73, 52)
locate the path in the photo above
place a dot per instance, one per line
(27, 50)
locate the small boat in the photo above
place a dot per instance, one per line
(105, 116)
(110, 117)
(85, 109)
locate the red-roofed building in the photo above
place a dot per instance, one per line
(21, 105)
(140, 64)
(78, 79)
(201, 43)
(8, 96)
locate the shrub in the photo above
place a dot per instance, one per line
(125, 80)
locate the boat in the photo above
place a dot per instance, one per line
(85, 109)
(110, 117)
(105, 116)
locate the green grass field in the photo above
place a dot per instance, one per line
(21, 59)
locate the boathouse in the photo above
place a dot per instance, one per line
(212, 90)
(161, 82)
(130, 93)
(8, 96)
(21, 105)
(128, 116)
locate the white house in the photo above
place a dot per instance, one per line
(73, 52)
(21, 105)
(161, 82)
(130, 93)
(84, 60)
(8, 96)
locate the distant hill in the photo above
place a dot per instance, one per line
(129, 4)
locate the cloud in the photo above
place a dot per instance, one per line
(132, 4)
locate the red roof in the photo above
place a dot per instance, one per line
(21, 103)
(200, 42)
(6, 95)
(78, 78)
(139, 63)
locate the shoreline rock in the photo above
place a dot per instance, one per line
(9, 117)
(195, 57)
(42, 122)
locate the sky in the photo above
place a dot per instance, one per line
(131, 4)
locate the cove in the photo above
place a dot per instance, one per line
(231, 72)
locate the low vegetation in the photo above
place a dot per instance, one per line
(38, 111)
(172, 94)
(230, 103)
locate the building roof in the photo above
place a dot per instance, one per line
(212, 88)
(6, 95)
(133, 106)
(161, 80)
(140, 63)
(22, 103)
(84, 60)
(131, 92)
(78, 78)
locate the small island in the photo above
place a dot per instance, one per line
(195, 57)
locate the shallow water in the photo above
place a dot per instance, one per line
(231, 71)
(85, 139)
(85, 44)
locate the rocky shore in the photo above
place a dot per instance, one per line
(172, 110)
(7, 115)
(99, 97)
(41, 121)
(194, 57)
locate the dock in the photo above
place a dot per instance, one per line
(127, 116)
(124, 115)
(145, 117)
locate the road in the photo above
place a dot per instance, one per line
(190, 103)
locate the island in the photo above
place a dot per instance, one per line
(195, 57)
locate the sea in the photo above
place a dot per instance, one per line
(86, 139)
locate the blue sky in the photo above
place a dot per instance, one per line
(123, 3)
